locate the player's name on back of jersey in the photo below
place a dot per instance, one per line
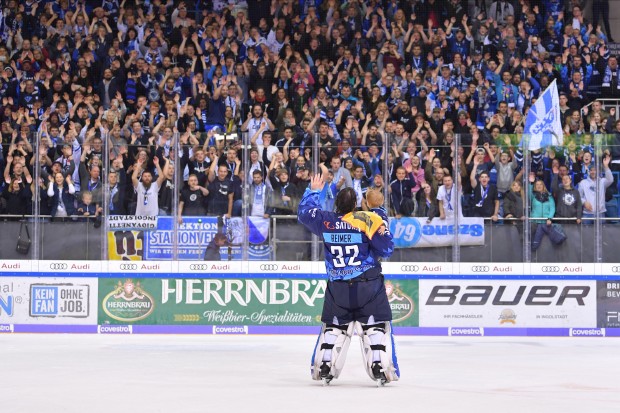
(344, 238)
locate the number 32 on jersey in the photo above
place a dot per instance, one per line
(346, 256)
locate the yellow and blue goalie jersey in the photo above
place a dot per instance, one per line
(353, 242)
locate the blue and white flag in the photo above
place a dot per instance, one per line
(543, 123)
(257, 230)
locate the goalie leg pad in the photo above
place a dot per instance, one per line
(330, 351)
(378, 350)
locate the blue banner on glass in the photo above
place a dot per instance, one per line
(195, 234)
(413, 232)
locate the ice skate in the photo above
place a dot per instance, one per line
(378, 374)
(325, 375)
(331, 351)
(378, 351)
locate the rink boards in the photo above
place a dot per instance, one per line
(237, 297)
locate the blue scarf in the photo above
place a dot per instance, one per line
(608, 76)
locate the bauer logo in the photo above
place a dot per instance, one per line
(107, 329)
(587, 332)
(464, 331)
(59, 300)
(230, 329)
(402, 305)
(128, 302)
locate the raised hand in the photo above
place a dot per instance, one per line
(317, 182)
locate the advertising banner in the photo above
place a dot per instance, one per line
(125, 245)
(26, 300)
(131, 222)
(195, 234)
(507, 303)
(608, 303)
(275, 301)
(417, 233)
(193, 237)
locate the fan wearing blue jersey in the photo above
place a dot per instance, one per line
(355, 298)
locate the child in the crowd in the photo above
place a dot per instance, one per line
(86, 208)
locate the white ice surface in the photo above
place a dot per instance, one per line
(157, 373)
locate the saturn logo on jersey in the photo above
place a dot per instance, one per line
(329, 225)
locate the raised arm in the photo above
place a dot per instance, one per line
(260, 130)
(160, 173)
(472, 175)
(309, 211)
(134, 176)
(212, 169)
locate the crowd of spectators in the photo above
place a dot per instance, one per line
(105, 101)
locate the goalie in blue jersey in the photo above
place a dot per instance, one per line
(355, 298)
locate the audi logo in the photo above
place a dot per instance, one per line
(268, 267)
(480, 268)
(615, 268)
(409, 268)
(128, 267)
(550, 268)
(58, 266)
(198, 267)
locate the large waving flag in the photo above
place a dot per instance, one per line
(543, 125)
(257, 230)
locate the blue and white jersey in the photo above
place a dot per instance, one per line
(553, 8)
(352, 242)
